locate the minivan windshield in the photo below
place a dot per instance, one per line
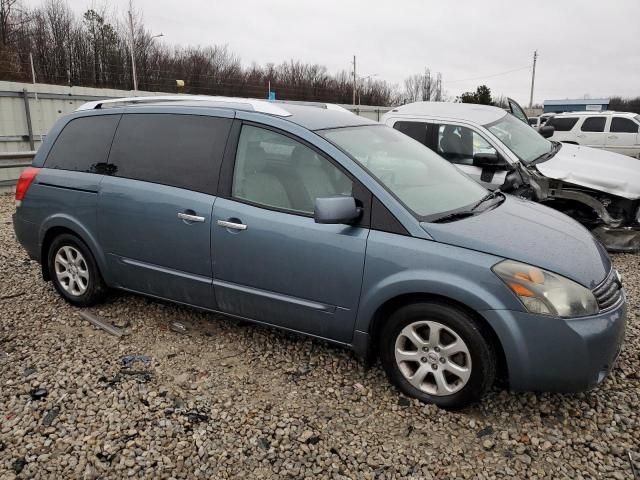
(520, 138)
(426, 183)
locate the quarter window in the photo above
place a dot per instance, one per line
(276, 171)
(623, 125)
(182, 151)
(459, 144)
(593, 124)
(83, 145)
(562, 124)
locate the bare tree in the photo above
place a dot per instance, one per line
(8, 20)
(94, 49)
(422, 87)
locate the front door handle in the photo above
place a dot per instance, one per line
(187, 217)
(232, 225)
(612, 137)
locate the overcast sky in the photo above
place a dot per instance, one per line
(586, 47)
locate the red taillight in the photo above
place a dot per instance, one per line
(28, 174)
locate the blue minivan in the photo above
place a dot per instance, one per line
(315, 220)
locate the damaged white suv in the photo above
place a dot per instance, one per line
(598, 188)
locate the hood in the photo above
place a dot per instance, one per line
(594, 168)
(532, 233)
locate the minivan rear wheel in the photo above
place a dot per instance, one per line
(74, 272)
(437, 353)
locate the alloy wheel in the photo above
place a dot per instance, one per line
(71, 270)
(433, 358)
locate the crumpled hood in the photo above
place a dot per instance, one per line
(594, 168)
(532, 233)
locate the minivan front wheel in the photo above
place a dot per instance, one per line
(438, 354)
(74, 272)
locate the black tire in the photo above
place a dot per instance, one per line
(482, 353)
(96, 290)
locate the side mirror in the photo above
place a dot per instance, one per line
(334, 210)
(547, 131)
(484, 160)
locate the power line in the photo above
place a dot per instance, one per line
(489, 76)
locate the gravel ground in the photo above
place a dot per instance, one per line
(232, 400)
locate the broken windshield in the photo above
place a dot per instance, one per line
(527, 144)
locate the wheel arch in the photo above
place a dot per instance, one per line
(56, 226)
(384, 311)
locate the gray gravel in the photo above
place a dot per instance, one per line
(231, 400)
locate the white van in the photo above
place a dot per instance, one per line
(500, 150)
(614, 131)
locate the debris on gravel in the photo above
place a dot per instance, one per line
(101, 323)
(235, 400)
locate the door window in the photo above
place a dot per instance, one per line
(182, 151)
(83, 145)
(517, 111)
(459, 144)
(623, 125)
(593, 124)
(276, 171)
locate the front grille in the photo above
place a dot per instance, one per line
(608, 293)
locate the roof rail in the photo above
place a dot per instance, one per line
(594, 112)
(326, 106)
(261, 106)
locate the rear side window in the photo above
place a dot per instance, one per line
(623, 125)
(83, 145)
(562, 124)
(182, 151)
(593, 124)
(415, 130)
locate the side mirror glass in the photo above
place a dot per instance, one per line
(335, 210)
(487, 160)
(546, 131)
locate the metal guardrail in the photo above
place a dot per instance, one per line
(16, 161)
(17, 155)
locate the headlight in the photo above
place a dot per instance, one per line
(546, 293)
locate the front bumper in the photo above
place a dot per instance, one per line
(556, 355)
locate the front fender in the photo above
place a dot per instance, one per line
(398, 265)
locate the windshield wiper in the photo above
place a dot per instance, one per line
(470, 212)
(487, 197)
(450, 217)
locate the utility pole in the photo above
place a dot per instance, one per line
(133, 58)
(533, 78)
(33, 75)
(354, 81)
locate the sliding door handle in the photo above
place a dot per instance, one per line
(187, 217)
(232, 225)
